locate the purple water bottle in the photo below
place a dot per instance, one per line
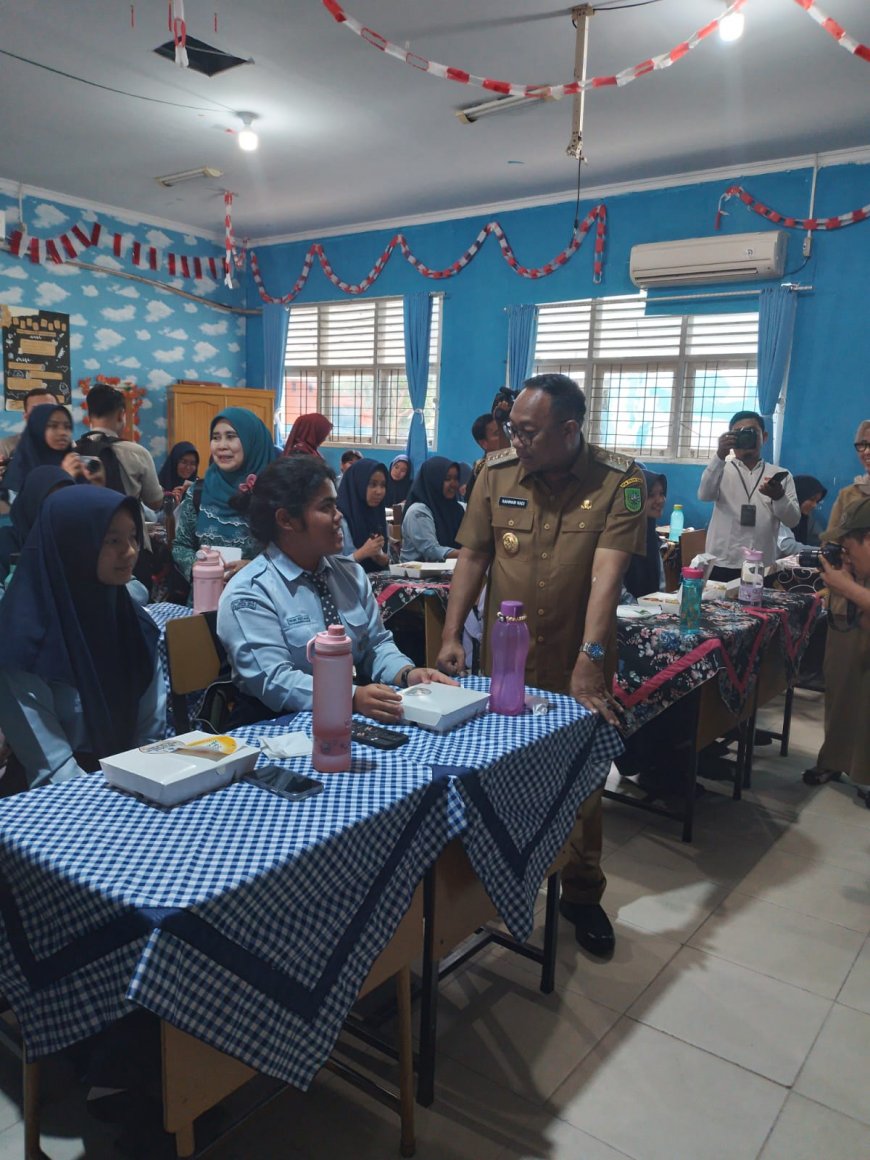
(510, 647)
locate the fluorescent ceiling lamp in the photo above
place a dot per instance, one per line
(248, 139)
(470, 114)
(731, 27)
(189, 175)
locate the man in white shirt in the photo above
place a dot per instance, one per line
(752, 498)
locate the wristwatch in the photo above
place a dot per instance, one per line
(594, 650)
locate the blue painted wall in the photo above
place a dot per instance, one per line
(124, 328)
(828, 389)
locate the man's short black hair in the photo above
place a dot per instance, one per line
(350, 456)
(37, 391)
(103, 401)
(479, 426)
(566, 397)
(741, 415)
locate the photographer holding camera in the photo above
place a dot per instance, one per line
(845, 564)
(752, 498)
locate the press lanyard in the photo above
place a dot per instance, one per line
(749, 494)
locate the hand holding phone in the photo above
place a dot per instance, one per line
(779, 476)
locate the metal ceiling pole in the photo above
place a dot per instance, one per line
(580, 17)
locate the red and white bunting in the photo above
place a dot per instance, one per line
(178, 28)
(70, 245)
(792, 223)
(511, 88)
(837, 31)
(598, 215)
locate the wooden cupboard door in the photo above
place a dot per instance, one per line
(191, 422)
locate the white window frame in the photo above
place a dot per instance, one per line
(587, 368)
(381, 368)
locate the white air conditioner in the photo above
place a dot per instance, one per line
(721, 258)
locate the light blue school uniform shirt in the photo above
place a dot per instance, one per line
(419, 540)
(268, 613)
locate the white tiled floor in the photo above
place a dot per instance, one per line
(733, 1021)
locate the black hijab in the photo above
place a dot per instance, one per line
(363, 521)
(168, 473)
(643, 573)
(32, 450)
(427, 489)
(397, 489)
(806, 487)
(58, 621)
(37, 486)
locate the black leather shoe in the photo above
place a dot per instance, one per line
(592, 927)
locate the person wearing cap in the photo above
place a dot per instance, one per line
(846, 748)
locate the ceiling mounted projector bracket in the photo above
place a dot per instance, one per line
(580, 18)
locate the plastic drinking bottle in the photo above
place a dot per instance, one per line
(690, 600)
(332, 664)
(510, 647)
(677, 523)
(751, 578)
(208, 579)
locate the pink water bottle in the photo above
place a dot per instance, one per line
(333, 699)
(208, 579)
(510, 647)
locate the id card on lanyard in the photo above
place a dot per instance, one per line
(747, 510)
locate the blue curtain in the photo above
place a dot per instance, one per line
(418, 325)
(276, 319)
(522, 331)
(776, 313)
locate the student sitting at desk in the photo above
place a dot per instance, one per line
(298, 585)
(361, 493)
(432, 513)
(78, 673)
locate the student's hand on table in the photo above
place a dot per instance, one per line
(726, 442)
(233, 567)
(451, 658)
(429, 677)
(589, 688)
(379, 702)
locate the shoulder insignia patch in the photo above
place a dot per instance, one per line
(632, 481)
(633, 498)
(612, 458)
(496, 458)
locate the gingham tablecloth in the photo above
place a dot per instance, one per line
(250, 921)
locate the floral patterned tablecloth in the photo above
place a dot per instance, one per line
(394, 592)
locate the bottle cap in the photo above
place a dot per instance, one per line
(693, 573)
(752, 555)
(678, 507)
(511, 609)
(333, 642)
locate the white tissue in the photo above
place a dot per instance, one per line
(287, 745)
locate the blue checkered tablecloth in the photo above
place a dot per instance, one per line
(250, 921)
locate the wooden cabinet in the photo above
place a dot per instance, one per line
(192, 406)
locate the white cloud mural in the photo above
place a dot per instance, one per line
(157, 444)
(78, 320)
(16, 271)
(204, 350)
(172, 355)
(143, 335)
(76, 341)
(131, 363)
(158, 379)
(127, 292)
(106, 338)
(108, 262)
(220, 327)
(91, 364)
(191, 308)
(178, 334)
(158, 239)
(90, 291)
(157, 310)
(160, 423)
(234, 347)
(13, 296)
(118, 313)
(48, 294)
(47, 216)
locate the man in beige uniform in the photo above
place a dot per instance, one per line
(555, 520)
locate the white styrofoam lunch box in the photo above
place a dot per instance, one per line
(169, 778)
(442, 707)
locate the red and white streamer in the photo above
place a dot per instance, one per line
(178, 28)
(512, 88)
(228, 233)
(837, 31)
(597, 215)
(70, 245)
(792, 223)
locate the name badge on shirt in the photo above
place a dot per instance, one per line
(512, 501)
(747, 515)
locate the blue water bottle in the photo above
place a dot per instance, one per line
(677, 524)
(691, 591)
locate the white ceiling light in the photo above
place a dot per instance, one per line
(248, 139)
(731, 27)
(472, 113)
(189, 175)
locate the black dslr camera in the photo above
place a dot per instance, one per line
(745, 438)
(833, 553)
(502, 403)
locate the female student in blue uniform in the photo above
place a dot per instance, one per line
(272, 608)
(78, 673)
(361, 494)
(433, 513)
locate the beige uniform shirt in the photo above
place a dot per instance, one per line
(542, 544)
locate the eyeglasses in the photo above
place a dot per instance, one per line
(862, 446)
(526, 438)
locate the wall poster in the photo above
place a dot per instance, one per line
(36, 353)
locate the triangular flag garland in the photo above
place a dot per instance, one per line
(792, 223)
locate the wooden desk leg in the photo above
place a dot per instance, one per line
(30, 1086)
(428, 997)
(408, 1145)
(433, 625)
(786, 721)
(750, 750)
(551, 934)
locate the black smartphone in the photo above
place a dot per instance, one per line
(284, 782)
(779, 476)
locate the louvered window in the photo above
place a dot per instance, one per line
(347, 360)
(658, 386)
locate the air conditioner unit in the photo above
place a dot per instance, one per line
(721, 258)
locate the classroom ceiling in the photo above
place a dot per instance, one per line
(350, 135)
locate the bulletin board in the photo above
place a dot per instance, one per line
(36, 353)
